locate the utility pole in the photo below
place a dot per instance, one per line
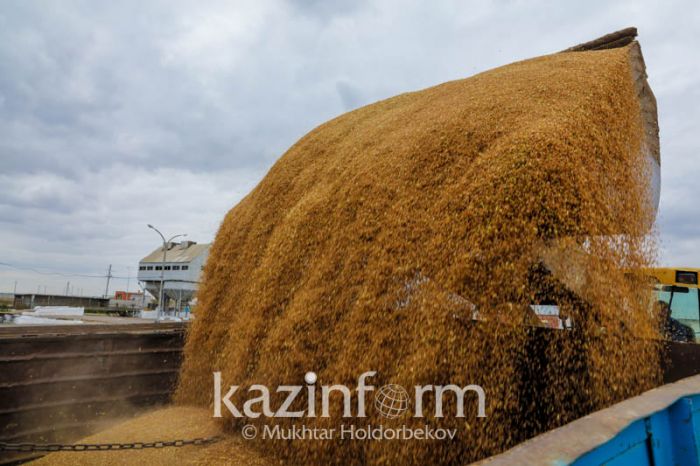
(161, 297)
(128, 278)
(67, 288)
(109, 276)
(15, 292)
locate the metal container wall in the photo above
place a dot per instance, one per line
(60, 383)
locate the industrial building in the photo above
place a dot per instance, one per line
(30, 300)
(130, 300)
(179, 267)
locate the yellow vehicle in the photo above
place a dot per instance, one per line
(678, 287)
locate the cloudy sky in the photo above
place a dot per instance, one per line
(118, 114)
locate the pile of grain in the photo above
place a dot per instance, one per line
(166, 424)
(371, 242)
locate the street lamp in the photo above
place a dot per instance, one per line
(161, 297)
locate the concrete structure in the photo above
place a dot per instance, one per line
(181, 270)
(28, 301)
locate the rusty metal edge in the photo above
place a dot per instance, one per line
(43, 357)
(79, 378)
(20, 331)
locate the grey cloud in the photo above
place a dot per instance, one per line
(349, 95)
(117, 114)
(325, 9)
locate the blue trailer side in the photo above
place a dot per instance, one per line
(668, 437)
(660, 427)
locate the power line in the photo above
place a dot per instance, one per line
(61, 274)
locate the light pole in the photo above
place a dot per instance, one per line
(161, 297)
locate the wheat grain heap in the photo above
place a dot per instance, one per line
(371, 242)
(410, 236)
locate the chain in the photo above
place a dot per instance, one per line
(49, 447)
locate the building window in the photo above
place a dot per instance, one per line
(167, 267)
(185, 267)
(150, 267)
(142, 267)
(176, 267)
(158, 267)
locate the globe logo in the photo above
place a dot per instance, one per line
(391, 401)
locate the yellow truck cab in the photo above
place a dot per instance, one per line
(679, 288)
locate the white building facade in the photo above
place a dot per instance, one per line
(180, 271)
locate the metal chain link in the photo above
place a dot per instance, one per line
(50, 447)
